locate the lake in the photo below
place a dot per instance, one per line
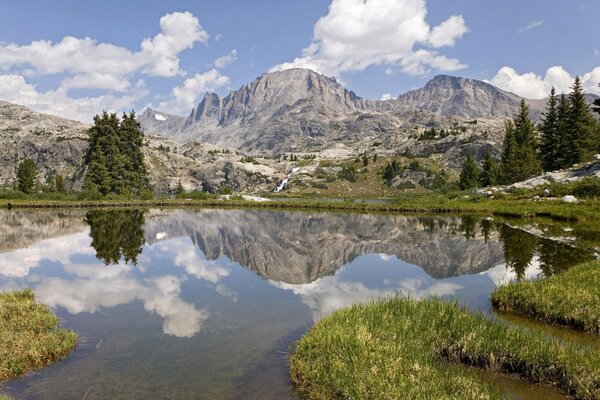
(205, 304)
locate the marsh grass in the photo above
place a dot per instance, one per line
(571, 298)
(29, 335)
(402, 348)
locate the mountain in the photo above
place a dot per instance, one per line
(299, 110)
(465, 98)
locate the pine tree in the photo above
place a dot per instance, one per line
(564, 144)
(519, 157)
(26, 173)
(582, 131)
(114, 159)
(469, 175)
(489, 171)
(550, 138)
(59, 184)
(132, 140)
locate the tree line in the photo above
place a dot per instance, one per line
(568, 134)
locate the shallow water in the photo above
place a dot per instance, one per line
(206, 303)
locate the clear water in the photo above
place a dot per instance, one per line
(205, 304)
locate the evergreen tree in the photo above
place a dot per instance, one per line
(26, 173)
(489, 171)
(365, 160)
(564, 145)
(582, 133)
(519, 157)
(469, 175)
(132, 140)
(114, 159)
(59, 184)
(550, 138)
(179, 189)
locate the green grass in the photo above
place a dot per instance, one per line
(402, 348)
(408, 203)
(29, 335)
(571, 298)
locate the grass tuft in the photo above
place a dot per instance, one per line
(402, 348)
(571, 298)
(29, 337)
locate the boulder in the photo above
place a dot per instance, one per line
(569, 199)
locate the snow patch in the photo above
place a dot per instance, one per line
(159, 117)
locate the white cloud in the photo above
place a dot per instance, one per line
(15, 89)
(532, 25)
(448, 32)
(386, 96)
(358, 33)
(186, 96)
(89, 64)
(225, 60)
(389, 71)
(533, 86)
(97, 65)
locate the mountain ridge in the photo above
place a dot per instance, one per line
(299, 109)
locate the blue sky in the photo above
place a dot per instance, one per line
(75, 58)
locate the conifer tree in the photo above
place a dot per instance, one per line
(470, 173)
(582, 133)
(564, 145)
(519, 157)
(59, 184)
(550, 138)
(114, 159)
(489, 171)
(26, 173)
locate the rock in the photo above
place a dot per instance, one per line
(569, 199)
(547, 193)
(536, 198)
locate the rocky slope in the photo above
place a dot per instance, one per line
(299, 110)
(58, 145)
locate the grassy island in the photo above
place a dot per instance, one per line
(29, 337)
(402, 348)
(571, 298)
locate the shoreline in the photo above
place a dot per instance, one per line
(588, 210)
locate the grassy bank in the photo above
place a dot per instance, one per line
(411, 203)
(571, 298)
(400, 348)
(29, 337)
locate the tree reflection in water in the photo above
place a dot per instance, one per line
(116, 234)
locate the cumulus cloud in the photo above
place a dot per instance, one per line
(101, 63)
(15, 89)
(533, 86)
(225, 60)
(89, 64)
(184, 97)
(386, 96)
(356, 34)
(532, 25)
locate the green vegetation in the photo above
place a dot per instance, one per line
(26, 176)
(402, 348)
(29, 338)
(470, 173)
(489, 171)
(519, 157)
(114, 160)
(570, 299)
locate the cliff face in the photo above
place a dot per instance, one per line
(281, 246)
